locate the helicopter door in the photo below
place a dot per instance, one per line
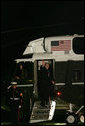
(52, 70)
(35, 79)
(41, 114)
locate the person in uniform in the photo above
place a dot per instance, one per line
(22, 79)
(15, 98)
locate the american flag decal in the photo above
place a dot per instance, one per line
(63, 45)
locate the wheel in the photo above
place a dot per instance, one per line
(81, 118)
(71, 119)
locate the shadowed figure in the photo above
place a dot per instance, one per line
(45, 82)
(21, 74)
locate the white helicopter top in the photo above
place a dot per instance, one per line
(59, 48)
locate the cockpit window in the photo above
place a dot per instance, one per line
(78, 45)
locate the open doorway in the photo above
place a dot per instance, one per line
(40, 66)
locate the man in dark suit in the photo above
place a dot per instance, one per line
(45, 82)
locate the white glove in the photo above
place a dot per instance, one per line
(19, 106)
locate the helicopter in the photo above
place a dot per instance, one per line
(65, 54)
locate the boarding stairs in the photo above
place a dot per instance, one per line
(41, 114)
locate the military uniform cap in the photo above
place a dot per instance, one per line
(14, 83)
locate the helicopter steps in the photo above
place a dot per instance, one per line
(41, 114)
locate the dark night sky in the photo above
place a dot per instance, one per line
(22, 21)
(19, 14)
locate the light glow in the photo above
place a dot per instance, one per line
(59, 93)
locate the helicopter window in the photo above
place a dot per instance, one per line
(78, 71)
(76, 76)
(60, 72)
(78, 45)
